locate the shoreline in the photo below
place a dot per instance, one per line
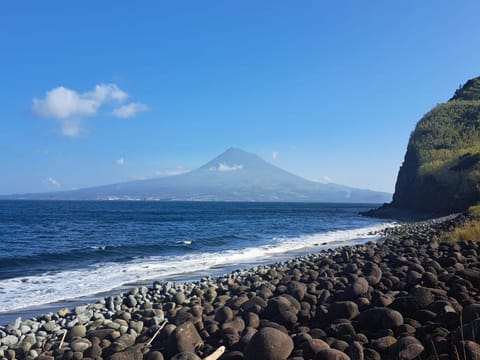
(6, 317)
(316, 301)
(96, 269)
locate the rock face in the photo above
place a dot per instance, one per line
(441, 169)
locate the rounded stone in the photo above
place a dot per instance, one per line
(343, 310)
(357, 288)
(223, 314)
(186, 356)
(269, 344)
(379, 318)
(80, 345)
(154, 355)
(180, 298)
(77, 331)
(408, 348)
(331, 354)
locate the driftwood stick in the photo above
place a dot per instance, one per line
(63, 339)
(216, 354)
(156, 333)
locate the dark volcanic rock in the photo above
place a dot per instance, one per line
(311, 347)
(154, 355)
(422, 297)
(470, 331)
(269, 344)
(357, 288)
(407, 348)
(379, 318)
(281, 310)
(355, 351)
(186, 356)
(468, 350)
(372, 273)
(342, 310)
(129, 354)
(331, 354)
(405, 305)
(185, 338)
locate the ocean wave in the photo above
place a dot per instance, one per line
(28, 291)
(185, 242)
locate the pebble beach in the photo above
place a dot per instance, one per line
(406, 296)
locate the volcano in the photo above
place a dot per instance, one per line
(235, 175)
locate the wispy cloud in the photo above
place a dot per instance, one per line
(223, 167)
(120, 161)
(70, 107)
(42, 151)
(51, 183)
(324, 180)
(274, 155)
(177, 170)
(129, 110)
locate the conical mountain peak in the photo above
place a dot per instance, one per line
(234, 175)
(235, 159)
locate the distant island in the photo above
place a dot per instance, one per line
(235, 175)
(441, 170)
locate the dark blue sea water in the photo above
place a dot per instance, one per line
(52, 251)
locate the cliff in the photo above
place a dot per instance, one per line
(441, 169)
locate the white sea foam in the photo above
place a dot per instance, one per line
(186, 242)
(22, 292)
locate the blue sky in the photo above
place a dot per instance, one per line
(101, 92)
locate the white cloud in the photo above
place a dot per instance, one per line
(274, 155)
(120, 161)
(129, 110)
(71, 127)
(107, 92)
(70, 107)
(51, 183)
(222, 167)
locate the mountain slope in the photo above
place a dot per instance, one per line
(441, 170)
(235, 175)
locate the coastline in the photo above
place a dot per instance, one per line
(364, 235)
(317, 303)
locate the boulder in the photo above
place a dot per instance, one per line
(468, 350)
(185, 338)
(407, 348)
(372, 273)
(186, 356)
(129, 354)
(342, 310)
(281, 310)
(331, 354)
(356, 289)
(379, 318)
(123, 342)
(269, 344)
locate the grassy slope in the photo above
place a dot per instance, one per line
(441, 171)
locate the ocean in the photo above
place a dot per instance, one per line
(54, 253)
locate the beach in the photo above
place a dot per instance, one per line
(405, 296)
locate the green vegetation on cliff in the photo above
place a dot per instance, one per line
(441, 170)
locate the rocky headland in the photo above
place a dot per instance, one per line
(441, 169)
(407, 296)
